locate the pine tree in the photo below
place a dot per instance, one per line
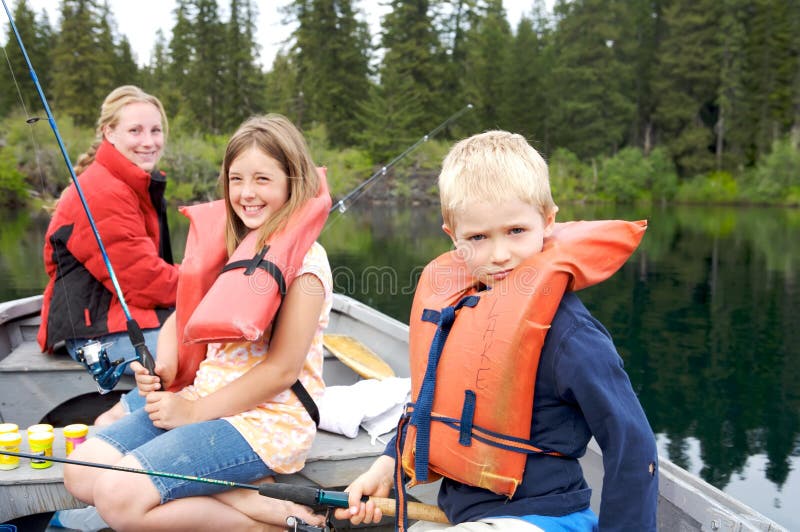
(82, 61)
(332, 57)
(409, 73)
(687, 84)
(488, 66)
(15, 82)
(595, 106)
(527, 107)
(242, 75)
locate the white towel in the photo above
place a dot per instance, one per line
(373, 404)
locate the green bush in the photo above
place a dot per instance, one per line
(570, 179)
(716, 187)
(777, 176)
(13, 192)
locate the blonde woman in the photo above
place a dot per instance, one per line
(125, 194)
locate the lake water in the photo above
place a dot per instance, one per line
(705, 315)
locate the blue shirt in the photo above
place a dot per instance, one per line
(582, 390)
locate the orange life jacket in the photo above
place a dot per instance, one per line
(475, 354)
(222, 300)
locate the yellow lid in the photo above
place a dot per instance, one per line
(10, 438)
(76, 430)
(40, 427)
(40, 437)
(8, 427)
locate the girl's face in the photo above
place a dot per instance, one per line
(138, 135)
(257, 187)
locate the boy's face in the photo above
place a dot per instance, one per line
(495, 238)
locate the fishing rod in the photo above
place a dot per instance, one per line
(343, 204)
(106, 373)
(305, 495)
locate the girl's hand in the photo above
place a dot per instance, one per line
(377, 481)
(168, 410)
(144, 381)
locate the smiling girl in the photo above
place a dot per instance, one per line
(240, 419)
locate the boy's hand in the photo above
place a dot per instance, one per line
(168, 410)
(378, 482)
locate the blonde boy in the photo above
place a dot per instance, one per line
(498, 210)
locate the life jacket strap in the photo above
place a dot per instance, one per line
(489, 437)
(421, 417)
(305, 398)
(401, 498)
(258, 261)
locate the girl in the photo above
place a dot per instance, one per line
(237, 420)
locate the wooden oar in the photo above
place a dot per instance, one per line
(358, 357)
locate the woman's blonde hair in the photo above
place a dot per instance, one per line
(109, 117)
(278, 138)
(494, 166)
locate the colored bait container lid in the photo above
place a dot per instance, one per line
(40, 427)
(10, 439)
(76, 430)
(8, 427)
(41, 437)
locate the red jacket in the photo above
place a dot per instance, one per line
(80, 291)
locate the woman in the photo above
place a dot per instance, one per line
(125, 194)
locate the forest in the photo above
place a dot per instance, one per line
(694, 101)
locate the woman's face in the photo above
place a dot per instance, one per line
(138, 135)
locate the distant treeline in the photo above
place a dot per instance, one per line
(659, 100)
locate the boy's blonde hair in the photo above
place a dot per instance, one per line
(275, 136)
(494, 166)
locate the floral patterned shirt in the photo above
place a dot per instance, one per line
(280, 431)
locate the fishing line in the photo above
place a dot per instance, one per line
(134, 331)
(305, 495)
(343, 204)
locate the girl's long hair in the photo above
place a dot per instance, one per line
(278, 138)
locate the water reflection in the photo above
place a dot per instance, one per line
(704, 315)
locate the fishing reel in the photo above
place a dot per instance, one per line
(106, 373)
(295, 524)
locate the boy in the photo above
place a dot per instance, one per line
(498, 211)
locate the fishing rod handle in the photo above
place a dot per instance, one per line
(415, 510)
(142, 352)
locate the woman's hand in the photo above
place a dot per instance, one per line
(168, 410)
(378, 482)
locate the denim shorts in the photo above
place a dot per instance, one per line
(210, 449)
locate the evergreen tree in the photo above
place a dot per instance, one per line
(242, 75)
(83, 61)
(687, 84)
(332, 55)
(527, 107)
(730, 125)
(15, 81)
(281, 89)
(122, 69)
(405, 106)
(488, 66)
(206, 71)
(595, 106)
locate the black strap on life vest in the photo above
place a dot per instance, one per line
(258, 261)
(305, 398)
(250, 266)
